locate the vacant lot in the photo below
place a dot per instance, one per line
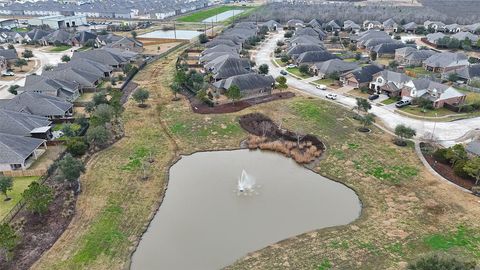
(406, 211)
(205, 14)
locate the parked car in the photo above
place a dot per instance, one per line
(402, 103)
(373, 97)
(283, 72)
(291, 66)
(331, 96)
(321, 87)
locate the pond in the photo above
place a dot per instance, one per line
(205, 222)
(180, 34)
(223, 16)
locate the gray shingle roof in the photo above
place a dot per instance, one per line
(17, 123)
(335, 65)
(393, 76)
(9, 54)
(245, 82)
(60, 88)
(364, 74)
(37, 104)
(15, 149)
(445, 59)
(315, 56)
(226, 66)
(469, 72)
(301, 48)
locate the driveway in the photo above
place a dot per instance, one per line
(43, 57)
(448, 133)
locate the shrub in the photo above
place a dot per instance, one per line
(458, 169)
(77, 147)
(439, 155)
(436, 262)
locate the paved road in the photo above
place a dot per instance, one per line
(43, 57)
(448, 133)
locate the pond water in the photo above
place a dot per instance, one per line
(204, 222)
(181, 34)
(223, 16)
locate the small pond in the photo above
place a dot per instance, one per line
(181, 34)
(223, 16)
(204, 222)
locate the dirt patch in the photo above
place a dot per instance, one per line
(202, 108)
(39, 233)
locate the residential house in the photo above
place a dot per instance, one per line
(24, 124)
(83, 37)
(212, 56)
(66, 90)
(35, 35)
(250, 84)
(10, 55)
(469, 73)
(57, 37)
(83, 79)
(435, 37)
(351, 26)
(226, 66)
(409, 56)
(438, 93)
(38, 104)
(18, 152)
(473, 148)
(220, 48)
(294, 23)
(445, 62)
(462, 36)
(388, 82)
(303, 40)
(332, 26)
(223, 42)
(323, 69)
(315, 23)
(359, 77)
(388, 49)
(107, 56)
(272, 25)
(295, 51)
(312, 57)
(390, 26)
(410, 27)
(435, 25)
(453, 28)
(307, 31)
(128, 44)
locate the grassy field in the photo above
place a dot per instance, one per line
(19, 185)
(406, 211)
(325, 81)
(389, 101)
(428, 113)
(418, 71)
(60, 48)
(205, 14)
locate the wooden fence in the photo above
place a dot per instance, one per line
(21, 173)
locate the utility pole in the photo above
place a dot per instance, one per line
(434, 126)
(174, 29)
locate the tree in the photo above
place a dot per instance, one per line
(285, 58)
(176, 88)
(456, 153)
(11, 47)
(38, 197)
(282, 82)
(363, 105)
(126, 68)
(234, 93)
(13, 89)
(435, 262)
(288, 34)
(472, 168)
(134, 34)
(280, 43)
(6, 184)
(27, 54)
(98, 136)
(70, 168)
(203, 38)
(20, 63)
(140, 96)
(453, 77)
(103, 114)
(68, 130)
(303, 69)
(366, 121)
(393, 64)
(403, 132)
(65, 58)
(76, 147)
(100, 98)
(8, 240)
(373, 55)
(263, 69)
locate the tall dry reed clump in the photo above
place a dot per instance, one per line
(302, 153)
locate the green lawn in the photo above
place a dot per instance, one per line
(205, 14)
(21, 29)
(389, 101)
(279, 62)
(350, 60)
(19, 185)
(326, 81)
(296, 71)
(60, 48)
(428, 113)
(472, 97)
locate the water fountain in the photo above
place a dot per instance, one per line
(245, 182)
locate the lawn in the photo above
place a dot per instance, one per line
(19, 185)
(418, 71)
(350, 60)
(205, 14)
(403, 203)
(389, 101)
(472, 97)
(428, 113)
(85, 97)
(326, 81)
(279, 62)
(60, 48)
(296, 71)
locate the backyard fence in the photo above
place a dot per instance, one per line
(25, 173)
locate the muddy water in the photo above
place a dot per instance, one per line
(204, 223)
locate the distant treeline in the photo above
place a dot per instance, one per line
(282, 12)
